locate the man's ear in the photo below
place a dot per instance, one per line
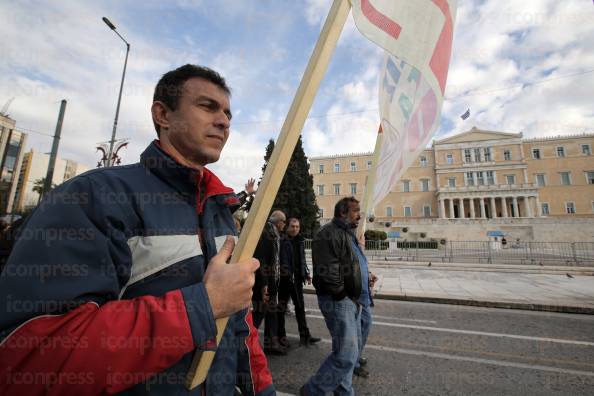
(160, 113)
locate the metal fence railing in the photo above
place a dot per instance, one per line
(484, 252)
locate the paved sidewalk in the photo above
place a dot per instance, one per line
(480, 287)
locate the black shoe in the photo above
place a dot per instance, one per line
(275, 350)
(302, 391)
(361, 372)
(284, 342)
(309, 340)
(362, 362)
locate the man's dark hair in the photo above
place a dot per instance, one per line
(292, 219)
(342, 207)
(169, 87)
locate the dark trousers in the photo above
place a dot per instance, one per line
(268, 313)
(294, 291)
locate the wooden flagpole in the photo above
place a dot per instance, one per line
(367, 204)
(286, 142)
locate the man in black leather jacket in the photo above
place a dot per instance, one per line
(338, 282)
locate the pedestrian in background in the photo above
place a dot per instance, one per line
(339, 280)
(294, 274)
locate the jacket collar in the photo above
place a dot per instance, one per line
(340, 223)
(183, 179)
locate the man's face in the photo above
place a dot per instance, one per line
(198, 129)
(280, 224)
(353, 215)
(293, 228)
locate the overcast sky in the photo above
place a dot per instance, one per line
(518, 65)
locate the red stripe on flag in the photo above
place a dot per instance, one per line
(380, 20)
(440, 61)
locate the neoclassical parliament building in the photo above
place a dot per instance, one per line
(477, 184)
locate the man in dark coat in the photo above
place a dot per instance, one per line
(294, 274)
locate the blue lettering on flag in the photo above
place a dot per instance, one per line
(406, 106)
(414, 75)
(393, 71)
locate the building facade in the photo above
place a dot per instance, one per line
(33, 170)
(12, 148)
(475, 182)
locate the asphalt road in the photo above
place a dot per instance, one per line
(437, 349)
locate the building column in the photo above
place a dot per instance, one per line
(482, 203)
(515, 203)
(461, 208)
(527, 207)
(442, 213)
(504, 206)
(452, 208)
(472, 214)
(493, 208)
(538, 208)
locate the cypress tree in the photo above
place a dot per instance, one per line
(296, 195)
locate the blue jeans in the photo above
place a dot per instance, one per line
(366, 321)
(336, 372)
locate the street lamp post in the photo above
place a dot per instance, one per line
(115, 121)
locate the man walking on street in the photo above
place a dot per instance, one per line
(339, 281)
(265, 291)
(366, 301)
(294, 274)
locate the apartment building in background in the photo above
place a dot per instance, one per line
(477, 184)
(12, 148)
(34, 169)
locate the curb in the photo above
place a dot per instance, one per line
(477, 303)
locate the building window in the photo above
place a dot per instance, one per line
(423, 161)
(425, 185)
(449, 159)
(480, 180)
(353, 166)
(320, 189)
(511, 179)
(321, 212)
(487, 153)
(592, 206)
(451, 182)
(535, 153)
(353, 188)
(540, 180)
(388, 211)
(590, 177)
(337, 167)
(560, 151)
(368, 164)
(469, 179)
(426, 211)
(586, 149)
(336, 189)
(321, 168)
(544, 209)
(407, 211)
(467, 155)
(405, 185)
(569, 207)
(490, 177)
(565, 178)
(507, 155)
(477, 155)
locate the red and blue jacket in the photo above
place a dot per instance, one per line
(103, 292)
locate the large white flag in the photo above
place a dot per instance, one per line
(417, 36)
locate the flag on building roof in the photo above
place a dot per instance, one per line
(417, 37)
(466, 114)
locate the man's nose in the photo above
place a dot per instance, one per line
(222, 120)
